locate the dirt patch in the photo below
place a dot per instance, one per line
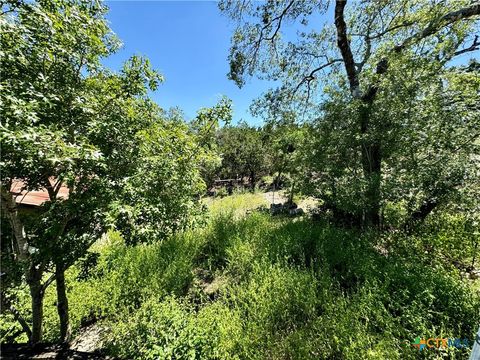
(87, 345)
(277, 197)
(274, 197)
(89, 339)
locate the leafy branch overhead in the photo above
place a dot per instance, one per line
(264, 45)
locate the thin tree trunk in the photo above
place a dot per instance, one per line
(20, 239)
(290, 197)
(34, 272)
(475, 246)
(23, 323)
(36, 292)
(252, 180)
(419, 215)
(276, 181)
(62, 303)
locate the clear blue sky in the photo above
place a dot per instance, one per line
(188, 42)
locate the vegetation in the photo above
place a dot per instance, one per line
(70, 122)
(263, 287)
(378, 87)
(374, 119)
(243, 153)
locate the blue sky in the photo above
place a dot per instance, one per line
(188, 42)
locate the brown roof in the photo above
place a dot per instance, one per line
(35, 197)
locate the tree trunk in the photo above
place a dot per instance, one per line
(34, 272)
(36, 292)
(252, 180)
(20, 239)
(371, 164)
(62, 303)
(419, 215)
(276, 181)
(371, 149)
(290, 197)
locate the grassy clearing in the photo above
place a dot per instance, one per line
(258, 287)
(237, 204)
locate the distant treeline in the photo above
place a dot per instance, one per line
(254, 156)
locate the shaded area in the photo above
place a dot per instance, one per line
(46, 351)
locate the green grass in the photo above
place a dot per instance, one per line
(257, 287)
(237, 204)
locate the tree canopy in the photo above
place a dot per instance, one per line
(368, 76)
(69, 121)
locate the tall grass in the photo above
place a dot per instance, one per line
(258, 287)
(289, 290)
(237, 204)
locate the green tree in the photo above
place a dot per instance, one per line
(285, 148)
(67, 121)
(366, 58)
(242, 150)
(162, 196)
(46, 47)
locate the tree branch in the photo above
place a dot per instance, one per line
(47, 283)
(386, 31)
(344, 45)
(280, 19)
(307, 79)
(472, 47)
(436, 25)
(21, 320)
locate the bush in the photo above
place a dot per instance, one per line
(170, 329)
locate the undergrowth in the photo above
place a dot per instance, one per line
(258, 287)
